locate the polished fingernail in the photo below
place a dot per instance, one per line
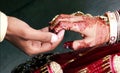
(68, 45)
(61, 33)
(54, 38)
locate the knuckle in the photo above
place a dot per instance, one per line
(26, 33)
(31, 52)
(61, 15)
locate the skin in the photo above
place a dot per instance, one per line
(29, 40)
(94, 30)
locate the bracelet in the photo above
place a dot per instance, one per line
(113, 27)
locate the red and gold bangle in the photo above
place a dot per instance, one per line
(116, 63)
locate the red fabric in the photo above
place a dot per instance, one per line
(94, 60)
(72, 62)
(37, 71)
(49, 69)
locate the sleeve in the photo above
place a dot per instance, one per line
(3, 25)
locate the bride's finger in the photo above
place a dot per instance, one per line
(69, 18)
(76, 44)
(73, 26)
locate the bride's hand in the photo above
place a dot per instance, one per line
(93, 29)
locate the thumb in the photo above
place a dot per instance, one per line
(40, 36)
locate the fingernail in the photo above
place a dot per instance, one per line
(68, 45)
(54, 38)
(61, 33)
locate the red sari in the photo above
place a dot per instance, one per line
(91, 61)
(94, 60)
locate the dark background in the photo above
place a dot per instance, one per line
(37, 13)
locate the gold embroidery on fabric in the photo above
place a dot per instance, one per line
(45, 71)
(106, 64)
(106, 58)
(81, 54)
(71, 60)
(43, 68)
(85, 70)
(109, 71)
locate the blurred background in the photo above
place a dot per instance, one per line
(38, 13)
